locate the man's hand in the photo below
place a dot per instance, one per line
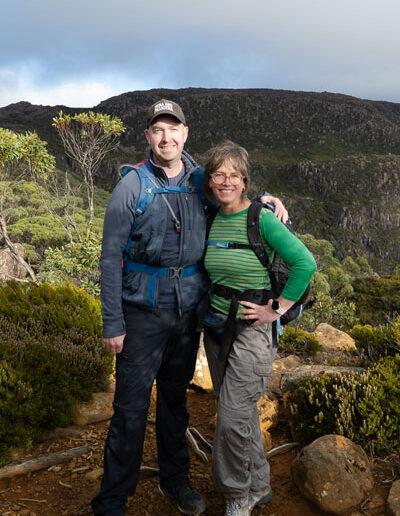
(114, 344)
(280, 210)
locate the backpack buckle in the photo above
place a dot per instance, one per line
(175, 272)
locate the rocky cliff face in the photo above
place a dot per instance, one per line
(335, 159)
(352, 201)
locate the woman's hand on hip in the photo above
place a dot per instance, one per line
(260, 313)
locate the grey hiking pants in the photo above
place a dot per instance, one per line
(238, 461)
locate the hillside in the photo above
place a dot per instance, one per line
(334, 159)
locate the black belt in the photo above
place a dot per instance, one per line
(232, 327)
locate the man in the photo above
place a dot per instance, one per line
(149, 311)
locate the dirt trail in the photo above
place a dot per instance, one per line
(66, 489)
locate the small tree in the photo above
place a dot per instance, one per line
(87, 139)
(22, 156)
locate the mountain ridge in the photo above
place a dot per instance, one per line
(333, 158)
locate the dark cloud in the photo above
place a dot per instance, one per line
(345, 46)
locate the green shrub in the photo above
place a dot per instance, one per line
(17, 410)
(77, 262)
(377, 342)
(324, 309)
(51, 358)
(377, 299)
(58, 308)
(365, 407)
(298, 342)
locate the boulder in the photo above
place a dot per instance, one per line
(393, 501)
(268, 410)
(334, 473)
(100, 408)
(280, 365)
(332, 340)
(290, 379)
(110, 385)
(201, 377)
(267, 440)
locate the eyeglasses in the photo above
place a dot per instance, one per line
(219, 178)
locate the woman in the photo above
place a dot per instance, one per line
(240, 469)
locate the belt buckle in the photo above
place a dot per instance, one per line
(175, 272)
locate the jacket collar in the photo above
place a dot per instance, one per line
(189, 165)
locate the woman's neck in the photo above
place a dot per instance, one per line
(230, 209)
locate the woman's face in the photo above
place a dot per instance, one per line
(227, 185)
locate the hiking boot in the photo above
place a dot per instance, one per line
(256, 499)
(237, 507)
(188, 499)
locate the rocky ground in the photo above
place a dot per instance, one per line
(67, 489)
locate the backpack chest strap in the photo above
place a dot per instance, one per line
(171, 189)
(159, 272)
(227, 245)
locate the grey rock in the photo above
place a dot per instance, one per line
(290, 379)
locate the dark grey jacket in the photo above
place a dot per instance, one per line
(150, 229)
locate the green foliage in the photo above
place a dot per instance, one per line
(76, 262)
(365, 268)
(377, 298)
(321, 249)
(331, 272)
(340, 283)
(351, 266)
(320, 284)
(31, 223)
(88, 121)
(27, 149)
(340, 314)
(17, 410)
(87, 139)
(331, 293)
(365, 407)
(377, 342)
(298, 342)
(50, 358)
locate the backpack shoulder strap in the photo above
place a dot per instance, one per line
(198, 180)
(144, 198)
(212, 213)
(254, 235)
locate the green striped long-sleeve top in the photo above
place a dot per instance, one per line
(241, 269)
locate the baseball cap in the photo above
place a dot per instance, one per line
(165, 107)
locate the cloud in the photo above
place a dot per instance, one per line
(347, 46)
(84, 93)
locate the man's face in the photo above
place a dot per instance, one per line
(166, 137)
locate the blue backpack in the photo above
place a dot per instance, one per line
(149, 187)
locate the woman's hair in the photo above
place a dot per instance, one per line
(233, 152)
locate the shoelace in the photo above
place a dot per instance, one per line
(233, 504)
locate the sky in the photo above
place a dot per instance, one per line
(80, 52)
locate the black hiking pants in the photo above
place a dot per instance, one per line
(159, 345)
